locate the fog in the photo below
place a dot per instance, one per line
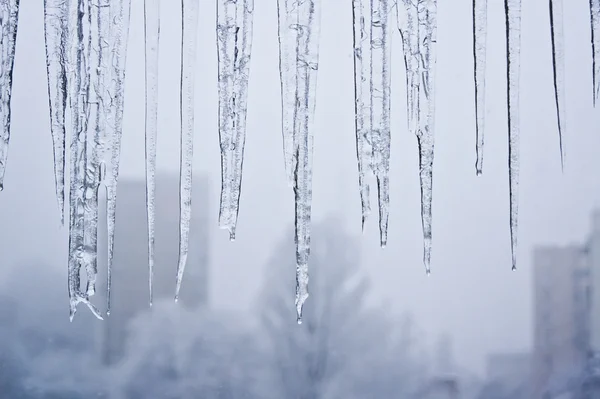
(471, 295)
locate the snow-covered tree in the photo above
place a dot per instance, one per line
(177, 353)
(343, 349)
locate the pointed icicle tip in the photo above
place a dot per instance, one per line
(514, 268)
(1, 187)
(428, 272)
(107, 313)
(478, 172)
(231, 235)
(176, 298)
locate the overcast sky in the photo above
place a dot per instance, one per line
(471, 293)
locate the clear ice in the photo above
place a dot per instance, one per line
(372, 56)
(417, 22)
(188, 69)
(55, 33)
(299, 26)
(151, 38)
(120, 11)
(234, 43)
(595, 30)
(513, 60)
(558, 68)
(479, 54)
(9, 17)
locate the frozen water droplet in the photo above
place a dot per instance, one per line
(299, 321)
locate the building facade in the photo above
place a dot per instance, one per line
(562, 299)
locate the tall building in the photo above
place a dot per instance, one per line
(594, 259)
(562, 284)
(130, 288)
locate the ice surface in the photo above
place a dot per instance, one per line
(479, 53)
(234, 43)
(188, 69)
(151, 37)
(9, 16)
(55, 30)
(558, 67)
(513, 59)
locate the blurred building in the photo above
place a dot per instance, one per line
(591, 380)
(562, 295)
(130, 289)
(509, 373)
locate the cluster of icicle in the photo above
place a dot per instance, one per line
(86, 46)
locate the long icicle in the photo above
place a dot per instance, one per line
(234, 43)
(362, 100)
(151, 37)
(9, 17)
(418, 27)
(78, 254)
(55, 33)
(95, 134)
(558, 69)
(245, 17)
(307, 59)
(595, 31)
(513, 60)
(120, 11)
(188, 60)
(427, 11)
(479, 54)
(380, 108)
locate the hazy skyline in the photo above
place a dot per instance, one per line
(471, 293)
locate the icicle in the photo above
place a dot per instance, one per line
(479, 53)
(513, 59)
(418, 26)
(362, 101)
(80, 253)
(9, 17)
(286, 11)
(151, 37)
(55, 32)
(380, 108)
(188, 61)
(558, 67)
(234, 42)
(595, 27)
(299, 24)
(95, 134)
(372, 107)
(120, 11)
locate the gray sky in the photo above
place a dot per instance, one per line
(471, 293)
